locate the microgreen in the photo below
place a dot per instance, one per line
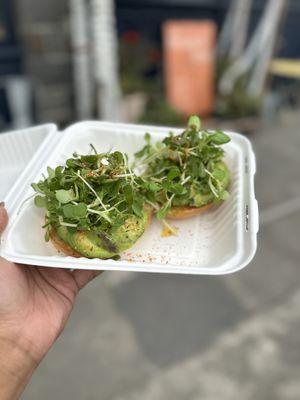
(65, 196)
(91, 192)
(186, 169)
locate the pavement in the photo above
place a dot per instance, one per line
(136, 336)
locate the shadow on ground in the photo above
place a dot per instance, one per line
(175, 317)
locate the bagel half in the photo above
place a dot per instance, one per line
(65, 248)
(183, 212)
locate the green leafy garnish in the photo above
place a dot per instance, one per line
(65, 196)
(75, 211)
(186, 169)
(91, 192)
(40, 201)
(194, 122)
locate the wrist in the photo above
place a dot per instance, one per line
(16, 368)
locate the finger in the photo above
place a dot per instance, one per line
(3, 218)
(84, 276)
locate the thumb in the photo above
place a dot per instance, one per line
(3, 217)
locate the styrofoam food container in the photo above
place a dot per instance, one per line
(16, 150)
(221, 241)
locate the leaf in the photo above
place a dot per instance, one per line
(163, 211)
(144, 151)
(214, 152)
(201, 170)
(194, 122)
(75, 211)
(83, 224)
(118, 157)
(195, 167)
(90, 159)
(218, 174)
(65, 196)
(36, 188)
(154, 187)
(173, 173)
(219, 138)
(178, 188)
(137, 206)
(114, 188)
(128, 193)
(71, 162)
(40, 201)
(168, 140)
(71, 230)
(118, 221)
(224, 195)
(147, 138)
(181, 200)
(51, 173)
(59, 171)
(47, 235)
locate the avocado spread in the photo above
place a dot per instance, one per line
(100, 244)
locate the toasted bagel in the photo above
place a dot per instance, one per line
(183, 212)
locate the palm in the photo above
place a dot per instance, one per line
(36, 302)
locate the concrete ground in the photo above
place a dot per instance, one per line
(136, 336)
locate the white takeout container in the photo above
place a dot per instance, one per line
(220, 241)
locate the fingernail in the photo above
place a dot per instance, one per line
(2, 204)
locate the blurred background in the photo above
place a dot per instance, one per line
(236, 63)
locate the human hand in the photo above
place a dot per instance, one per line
(35, 304)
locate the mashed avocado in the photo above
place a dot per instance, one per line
(94, 244)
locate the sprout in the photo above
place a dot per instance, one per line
(194, 122)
